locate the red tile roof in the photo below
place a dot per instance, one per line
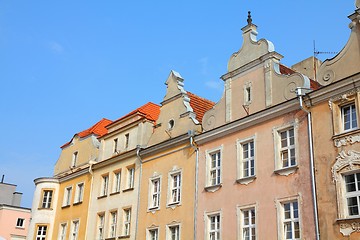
(99, 129)
(150, 111)
(199, 105)
(285, 70)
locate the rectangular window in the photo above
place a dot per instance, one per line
(153, 234)
(349, 118)
(291, 226)
(213, 227)
(113, 224)
(100, 227)
(75, 230)
(215, 168)
(352, 195)
(173, 232)
(126, 140)
(127, 221)
(116, 182)
(287, 148)
(41, 232)
(175, 188)
(62, 232)
(74, 159)
(248, 224)
(20, 222)
(104, 185)
(67, 196)
(79, 193)
(47, 196)
(155, 193)
(248, 160)
(130, 177)
(115, 147)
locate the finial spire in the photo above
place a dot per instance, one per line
(249, 19)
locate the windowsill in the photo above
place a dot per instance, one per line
(124, 236)
(77, 203)
(65, 206)
(114, 193)
(246, 180)
(173, 205)
(21, 228)
(348, 218)
(286, 171)
(40, 208)
(103, 196)
(128, 189)
(346, 133)
(153, 209)
(110, 238)
(213, 188)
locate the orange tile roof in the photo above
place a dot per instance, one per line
(199, 105)
(150, 111)
(285, 70)
(98, 129)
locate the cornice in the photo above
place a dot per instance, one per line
(249, 121)
(116, 158)
(74, 174)
(18, 208)
(46, 180)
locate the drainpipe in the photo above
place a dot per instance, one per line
(138, 202)
(300, 93)
(193, 145)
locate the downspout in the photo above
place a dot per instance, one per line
(300, 94)
(193, 145)
(138, 201)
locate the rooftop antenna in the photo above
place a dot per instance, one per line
(316, 53)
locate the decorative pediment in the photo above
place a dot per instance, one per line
(345, 160)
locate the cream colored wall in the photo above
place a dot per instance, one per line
(112, 202)
(265, 190)
(87, 149)
(164, 163)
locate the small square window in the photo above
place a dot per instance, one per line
(20, 223)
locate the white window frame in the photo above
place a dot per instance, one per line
(47, 198)
(42, 231)
(352, 194)
(113, 224)
(130, 177)
(149, 235)
(292, 220)
(174, 193)
(126, 221)
(20, 222)
(100, 226)
(79, 192)
(62, 231)
(75, 225)
(217, 169)
(213, 229)
(75, 158)
(170, 233)
(291, 168)
(116, 181)
(104, 185)
(252, 210)
(67, 196)
(353, 107)
(115, 145)
(126, 140)
(248, 93)
(241, 160)
(154, 193)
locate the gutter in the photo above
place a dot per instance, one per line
(300, 93)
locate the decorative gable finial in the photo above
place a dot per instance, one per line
(357, 4)
(249, 19)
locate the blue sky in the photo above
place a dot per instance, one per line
(67, 64)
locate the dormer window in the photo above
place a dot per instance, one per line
(74, 159)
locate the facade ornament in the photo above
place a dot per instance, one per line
(249, 19)
(343, 97)
(348, 139)
(347, 228)
(343, 160)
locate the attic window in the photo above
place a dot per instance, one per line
(74, 159)
(248, 93)
(171, 124)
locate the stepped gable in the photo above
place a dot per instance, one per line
(98, 129)
(199, 105)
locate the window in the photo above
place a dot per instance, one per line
(175, 188)
(130, 177)
(79, 193)
(127, 221)
(115, 148)
(349, 119)
(100, 227)
(116, 182)
(126, 140)
(75, 230)
(62, 232)
(215, 166)
(247, 94)
(173, 232)
(287, 150)
(74, 159)
(291, 226)
(67, 196)
(247, 159)
(47, 196)
(41, 232)
(154, 193)
(113, 223)
(104, 185)
(352, 194)
(153, 234)
(213, 227)
(20, 222)
(248, 224)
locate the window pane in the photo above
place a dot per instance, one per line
(353, 206)
(350, 183)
